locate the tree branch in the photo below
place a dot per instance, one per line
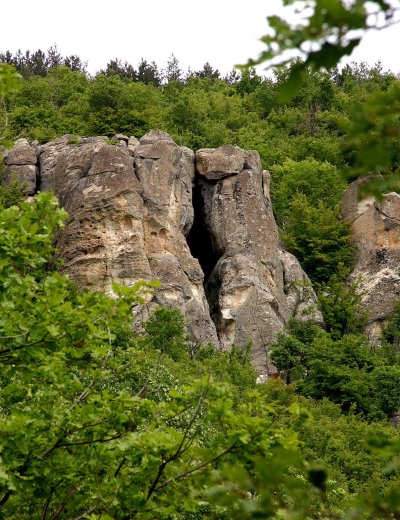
(179, 450)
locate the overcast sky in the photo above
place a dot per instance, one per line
(223, 32)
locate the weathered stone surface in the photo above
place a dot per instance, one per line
(300, 296)
(166, 174)
(121, 137)
(27, 175)
(133, 143)
(132, 216)
(217, 163)
(376, 235)
(128, 216)
(21, 154)
(21, 162)
(352, 207)
(103, 240)
(245, 287)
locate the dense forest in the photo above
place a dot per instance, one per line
(98, 421)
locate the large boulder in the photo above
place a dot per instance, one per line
(376, 235)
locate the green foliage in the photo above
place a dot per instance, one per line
(98, 420)
(316, 181)
(10, 82)
(82, 431)
(392, 332)
(374, 132)
(319, 239)
(355, 452)
(322, 34)
(39, 63)
(11, 191)
(346, 370)
(233, 367)
(289, 354)
(166, 333)
(340, 303)
(306, 196)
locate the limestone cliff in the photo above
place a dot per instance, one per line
(200, 223)
(376, 235)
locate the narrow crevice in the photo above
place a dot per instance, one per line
(199, 238)
(201, 245)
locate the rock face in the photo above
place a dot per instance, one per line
(21, 162)
(253, 287)
(376, 235)
(202, 225)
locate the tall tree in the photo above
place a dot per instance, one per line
(173, 72)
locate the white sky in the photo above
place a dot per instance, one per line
(223, 32)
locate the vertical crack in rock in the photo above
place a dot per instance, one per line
(240, 254)
(199, 239)
(166, 175)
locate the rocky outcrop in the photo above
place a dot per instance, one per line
(202, 225)
(130, 206)
(253, 287)
(376, 235)
(21, 162)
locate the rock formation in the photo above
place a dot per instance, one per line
(128, 218)
(376, 235)
(253, 287)
(21, 162)
(202, 225)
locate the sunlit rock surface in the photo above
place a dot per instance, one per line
(202, 225)
(376, 235)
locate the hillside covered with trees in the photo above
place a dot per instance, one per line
(98, 421)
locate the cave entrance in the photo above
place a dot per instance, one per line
(199, 238)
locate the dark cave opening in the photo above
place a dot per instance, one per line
(199, 238)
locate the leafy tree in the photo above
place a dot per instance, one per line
(173, 72)
(248, 82)
(326, 31)
(166, 332)
(11, 190)
(392, 331)
(117, 68)
(208, 72)
(75, 63)
(319, 239)
(81, 433)
(40, 63)
(360, 456)
(9, 83)
(316, 181)
(148, 73)
(346, 371)
(341, 306)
